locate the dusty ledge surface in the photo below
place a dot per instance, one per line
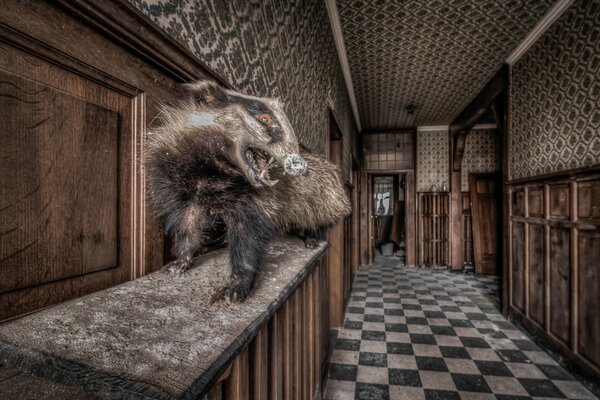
(157, 336)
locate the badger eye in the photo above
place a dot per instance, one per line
(265, 118)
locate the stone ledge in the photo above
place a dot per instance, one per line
(155, 337)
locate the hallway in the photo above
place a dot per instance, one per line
(432, 334)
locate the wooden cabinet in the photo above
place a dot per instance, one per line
(433, 228)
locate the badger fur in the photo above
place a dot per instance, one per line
(224, 156)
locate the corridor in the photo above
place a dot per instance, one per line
(432, 334)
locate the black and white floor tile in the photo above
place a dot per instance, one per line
(420, 334)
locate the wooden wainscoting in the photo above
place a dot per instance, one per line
(433, 228)
(79, 82)
(288, 357)
(554, 253)
(467, 229)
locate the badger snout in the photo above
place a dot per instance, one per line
(294, 164)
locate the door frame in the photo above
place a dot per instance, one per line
(410, 213)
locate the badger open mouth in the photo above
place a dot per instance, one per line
(260, 163)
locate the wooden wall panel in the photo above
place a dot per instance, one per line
(537, 265)
(433, 228)
(80, 81)
(518, 266)
(588, 207)
(589, 296)
(518, 205)
(287, 357)
(560, 283)
(59, 174)
(558, 229)
(536, 202)
(559, 201)
(467, 229)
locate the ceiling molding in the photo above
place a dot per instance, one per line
(336, 27)
(430, 128)
(547, 20)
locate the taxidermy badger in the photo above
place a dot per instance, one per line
(224, 156)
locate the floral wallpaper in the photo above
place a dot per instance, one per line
(483, 153)
(270, 48)
(432, 159)
(555, 97)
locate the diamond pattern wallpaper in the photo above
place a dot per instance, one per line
(483, 153)
(434, 54)
(269, 48)
(556, 97)
(432, 159)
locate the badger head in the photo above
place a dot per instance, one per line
(258, 129)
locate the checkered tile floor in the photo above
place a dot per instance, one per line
(431, 334)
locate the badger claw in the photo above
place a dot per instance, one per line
(177, 267)
(237, 290)
(311, 242)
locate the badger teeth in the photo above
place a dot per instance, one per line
(271, 160)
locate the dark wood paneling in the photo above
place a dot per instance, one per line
(559, 201)
(287, 358)
(518, 265)
(87, 76)
(589, 296)
(467, 229)
(337, 266)
(562, 249)
(537, 291)
(411, 223)
(433, 228)
(58, 169)
(517, 202)
(536, 202)
(560, 283)
(484, 193)
(588, 206)
(365, 218)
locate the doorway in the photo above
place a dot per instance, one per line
(389, 216)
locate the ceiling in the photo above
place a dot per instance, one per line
(433, 54)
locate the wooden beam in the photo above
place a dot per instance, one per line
(480, 105)
(490, 97)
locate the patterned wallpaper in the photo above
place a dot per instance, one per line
(268, 48)
(483, 153)
(556, 96)
(432, 159)
(435, 54)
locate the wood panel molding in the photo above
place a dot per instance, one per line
(433, 228)
(107, 57)
(287, 358)
(554, 246)
(126, 25)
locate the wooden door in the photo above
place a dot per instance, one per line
(484, 193)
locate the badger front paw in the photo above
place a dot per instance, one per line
(177, 267)
(237, 289)
(311, 242)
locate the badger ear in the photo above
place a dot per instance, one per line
(208, 92)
